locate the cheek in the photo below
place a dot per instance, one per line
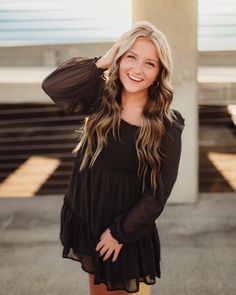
(153, 75)
(122, 71)
(150, 78)
(125, 65)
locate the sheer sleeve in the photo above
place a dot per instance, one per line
(131, 226)
(75, 85)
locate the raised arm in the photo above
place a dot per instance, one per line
(75, 85)
(131, 226)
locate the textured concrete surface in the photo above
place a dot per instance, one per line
(198, 249)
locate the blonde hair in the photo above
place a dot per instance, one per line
(95, 129)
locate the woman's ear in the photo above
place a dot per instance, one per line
(155, 83)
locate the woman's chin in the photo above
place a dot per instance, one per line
(133, 89)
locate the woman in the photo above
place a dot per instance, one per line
(126, 161)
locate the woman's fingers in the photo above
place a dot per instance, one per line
(117, 251)
(99, 246)
(103, 251)
(106, 61)
(108, 254)
(108, 245)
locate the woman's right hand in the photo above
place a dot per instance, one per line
(106, 61)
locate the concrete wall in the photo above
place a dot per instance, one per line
(217, 58)
(178, 21)
(22, 68)
(47, 55)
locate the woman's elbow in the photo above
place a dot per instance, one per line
(47, 86)
(51, 88)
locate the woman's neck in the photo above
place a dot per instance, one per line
(133, 100)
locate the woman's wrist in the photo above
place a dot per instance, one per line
(114, 233)
(106, 61)
(102, 63)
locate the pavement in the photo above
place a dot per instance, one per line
(198, 248)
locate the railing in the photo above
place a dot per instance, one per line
(37, 141)
(35, 152)
(217, 149)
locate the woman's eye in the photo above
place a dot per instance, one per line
(150, 64)
(131, 56)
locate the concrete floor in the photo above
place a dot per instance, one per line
(198, 249)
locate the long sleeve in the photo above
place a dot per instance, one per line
(75, 85)
(131, 226)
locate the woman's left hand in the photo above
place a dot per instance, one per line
(109, 244)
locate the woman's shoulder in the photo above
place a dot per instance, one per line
(178, 121)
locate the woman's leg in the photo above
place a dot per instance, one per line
(144, 289)
(101, 289)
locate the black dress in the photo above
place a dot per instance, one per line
(109, 194)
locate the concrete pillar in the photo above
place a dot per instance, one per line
(178, 21)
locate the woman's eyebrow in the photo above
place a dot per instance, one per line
(146, 59)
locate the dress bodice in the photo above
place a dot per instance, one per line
(121, 155)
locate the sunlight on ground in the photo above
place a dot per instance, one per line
(26, 180)
(225, 164)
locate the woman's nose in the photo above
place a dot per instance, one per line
(138, 68)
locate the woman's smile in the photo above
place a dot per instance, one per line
(134, 79)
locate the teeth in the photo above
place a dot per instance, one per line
(134, 78)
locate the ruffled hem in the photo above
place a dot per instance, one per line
(137, 262)
(129, 285)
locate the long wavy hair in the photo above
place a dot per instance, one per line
(107, 117)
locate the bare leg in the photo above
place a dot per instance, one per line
(144, 289)
(101, 289)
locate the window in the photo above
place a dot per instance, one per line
(216, 25)
(32, 22)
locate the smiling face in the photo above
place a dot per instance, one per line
(139, 67)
